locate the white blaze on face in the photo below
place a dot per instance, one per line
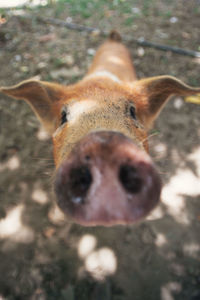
(103, 73)
(77, 109)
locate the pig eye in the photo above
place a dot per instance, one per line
(132, 112)
(63, 117)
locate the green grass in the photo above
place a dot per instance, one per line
(58, 62)
(2, 12)
(86, 8)
(128, 21)
(99, 8)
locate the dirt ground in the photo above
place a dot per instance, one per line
(42, 256)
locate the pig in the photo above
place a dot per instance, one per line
(99, 126)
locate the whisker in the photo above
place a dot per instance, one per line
(158, 156)
(41, 158)
(148, 137)
(163, 173)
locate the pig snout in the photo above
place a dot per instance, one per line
(107, 180)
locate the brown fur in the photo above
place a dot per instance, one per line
(114, 57)
(112, 100)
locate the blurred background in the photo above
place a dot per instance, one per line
(42, 256)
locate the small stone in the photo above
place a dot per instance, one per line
(24, 69)
(140, 51)
(91, 51)
(18, 57)
(41, 65)
(178, 102)
(66, 73)
(173, 20)
(69, 20)
(135, 10)
(69, 60)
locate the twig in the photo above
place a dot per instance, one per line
(140, 41)
(72, 26)
(176, 50)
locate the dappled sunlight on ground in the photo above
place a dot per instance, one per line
(12, 164)
(99, 263)
(39, 196)
(156, 214)
(15, 3)
(56, 216)
(42, 135)
(169, 289)
(160, 240)
(86, 245)
(192, 250)
(13, 228)
(184, 183)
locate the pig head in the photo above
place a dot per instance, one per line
(104, 175)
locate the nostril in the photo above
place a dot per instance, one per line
(130, 179)
(80, 179)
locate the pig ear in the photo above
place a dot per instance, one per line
(155, 92)
(41, 96)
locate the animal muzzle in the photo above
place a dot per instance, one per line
(107, 180)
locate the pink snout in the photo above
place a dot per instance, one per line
(107, 180)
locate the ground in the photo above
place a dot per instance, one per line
(42, 256)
